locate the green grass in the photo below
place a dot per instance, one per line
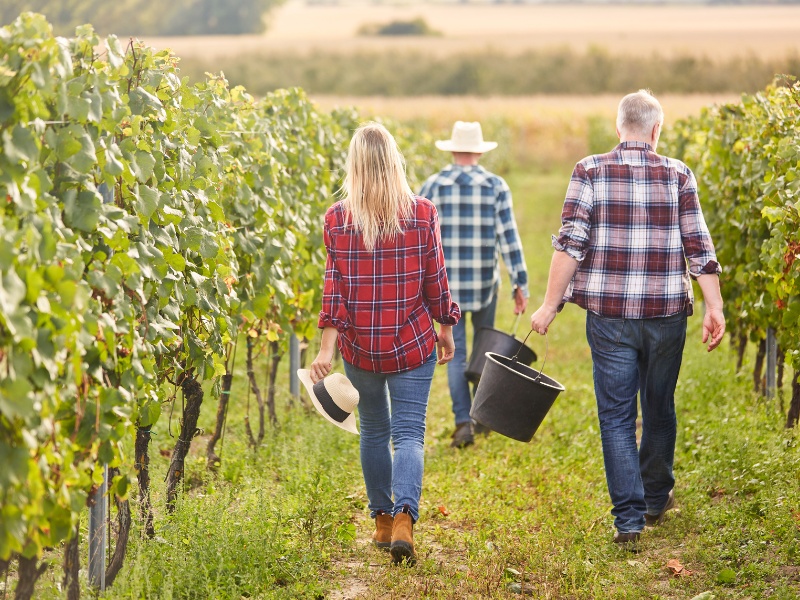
(290, 520)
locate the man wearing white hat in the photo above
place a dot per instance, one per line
(477, 223)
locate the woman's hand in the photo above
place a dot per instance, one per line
(321, 366)
(324, 362)
(445, 346)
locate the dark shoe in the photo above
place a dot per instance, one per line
(402, 546)
(382, 538)
(462, 437)
(480, 429)
(653, 520)
(624, 538)
(629, 541)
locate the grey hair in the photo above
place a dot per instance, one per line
(638, 113)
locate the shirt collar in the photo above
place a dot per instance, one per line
(476, 174)
(634, 146)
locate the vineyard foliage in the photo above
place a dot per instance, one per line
(145, 223)
(746, 157)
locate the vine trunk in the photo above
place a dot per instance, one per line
(72, 567)
(142, 461)
(213, 460)
(193, 395)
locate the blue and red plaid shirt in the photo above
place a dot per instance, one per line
(384, 302)
(632, 219)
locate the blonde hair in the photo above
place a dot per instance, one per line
(375, 192)
(639, 112)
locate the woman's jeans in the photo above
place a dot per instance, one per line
(460, 393)
(392, 410)
(630, 356)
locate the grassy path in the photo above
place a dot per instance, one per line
(535, 517)
(499, 518)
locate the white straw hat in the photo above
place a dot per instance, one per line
(334, 397)
(466, 137)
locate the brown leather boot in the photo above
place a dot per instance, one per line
(402, 547)
(382, 538)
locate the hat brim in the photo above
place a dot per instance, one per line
(449, 146)
(349, 424)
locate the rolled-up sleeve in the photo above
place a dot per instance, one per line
(573, 237)
(334, 310)
(435, 286)
(695, 237)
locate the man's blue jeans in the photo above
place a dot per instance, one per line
(630, 356)
(460, 392)
(392, 410)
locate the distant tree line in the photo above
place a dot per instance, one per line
(147, 17)
(562, 71)
(417, 26)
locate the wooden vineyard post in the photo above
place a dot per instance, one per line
(294, 364)
(772, 363)
(97, 534)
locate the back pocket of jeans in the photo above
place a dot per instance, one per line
(672, 337)
(606, 333)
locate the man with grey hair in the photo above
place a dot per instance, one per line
(630, 223)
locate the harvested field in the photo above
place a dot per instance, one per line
(440, 111)
(714, 31)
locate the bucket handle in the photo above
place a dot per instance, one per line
(514, 327)
(544, 360)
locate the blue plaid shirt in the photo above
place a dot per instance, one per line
(477, 219)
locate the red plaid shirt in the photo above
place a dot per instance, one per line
(384, 302)
(632, 219)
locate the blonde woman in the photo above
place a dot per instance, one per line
(385, 285)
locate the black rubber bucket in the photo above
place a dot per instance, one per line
(513, 399)
(492, 340)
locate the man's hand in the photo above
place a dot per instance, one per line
(713, 327)
(714, 320)
(520, 302)
(542, 318)
(445, 346)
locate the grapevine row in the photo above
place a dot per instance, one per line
(145, 224)
(747, 160)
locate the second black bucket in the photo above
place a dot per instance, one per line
(493, 340)
(513, 399)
